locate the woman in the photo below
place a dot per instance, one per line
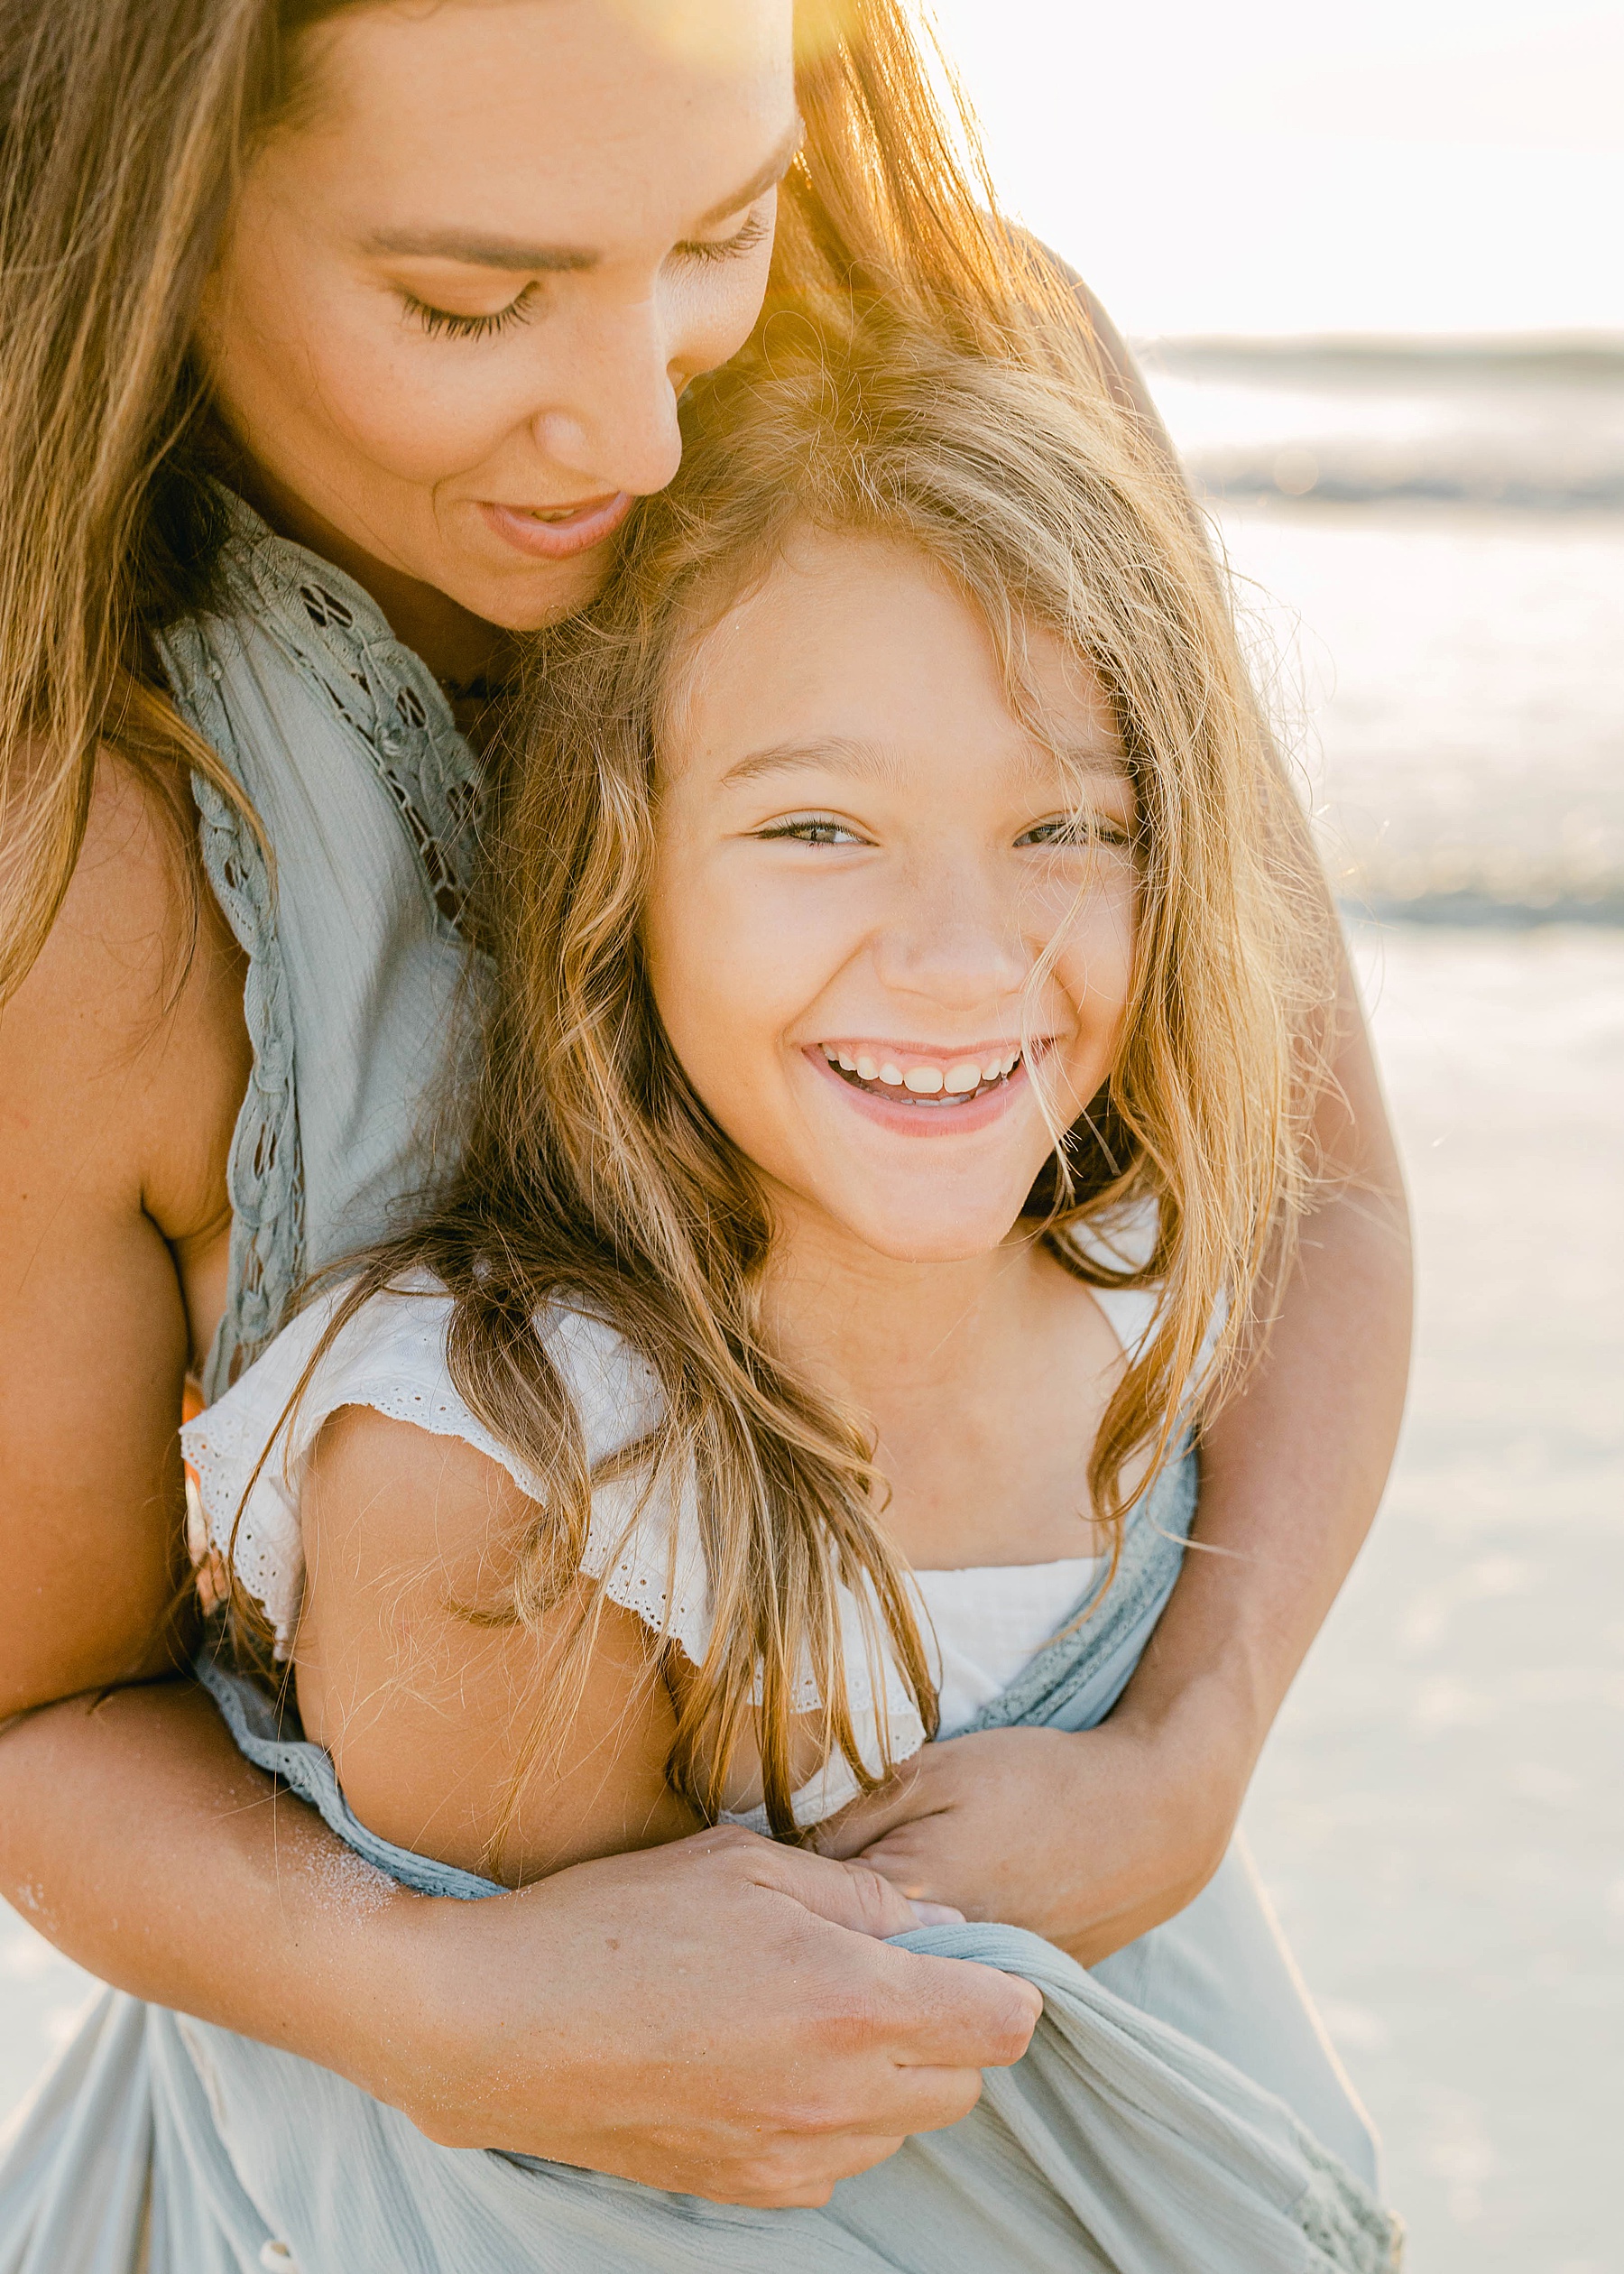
(427, 287)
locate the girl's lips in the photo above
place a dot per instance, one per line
(912, 1116)
(576, 530)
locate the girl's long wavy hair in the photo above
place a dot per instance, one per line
(126, 126)
(595, 1177)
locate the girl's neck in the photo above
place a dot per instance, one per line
(877, 1331)
(983, 1383)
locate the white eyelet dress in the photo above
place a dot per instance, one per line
(1178, 2113)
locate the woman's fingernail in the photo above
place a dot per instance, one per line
(937, 1914)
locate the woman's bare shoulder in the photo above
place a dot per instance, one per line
(125, 1043)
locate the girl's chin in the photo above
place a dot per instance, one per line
(906, 1233)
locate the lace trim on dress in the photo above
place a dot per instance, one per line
(265, 1178)
(1348, 2227)
(337, 637)
(391, 1357)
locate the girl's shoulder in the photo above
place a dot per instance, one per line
(251, 1449)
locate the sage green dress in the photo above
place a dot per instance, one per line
(1179, 2111)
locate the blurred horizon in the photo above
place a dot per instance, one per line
(1274, 166)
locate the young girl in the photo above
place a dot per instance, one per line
(910, 974)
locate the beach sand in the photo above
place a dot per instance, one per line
(1440, 1815)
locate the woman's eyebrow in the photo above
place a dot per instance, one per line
(766, 177)
(474, 249)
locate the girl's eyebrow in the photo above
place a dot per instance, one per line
(835, 754)
(474, 250)
(869, 762)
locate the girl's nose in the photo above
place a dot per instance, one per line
(617, 425)
(953, 941)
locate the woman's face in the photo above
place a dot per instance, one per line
(467, 283)
(875, 930)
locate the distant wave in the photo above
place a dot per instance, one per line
(1395, 363)
(1479, 885)
(1484, 911)
(1531, 425)
(1518, 474)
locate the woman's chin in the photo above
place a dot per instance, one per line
(529, 597)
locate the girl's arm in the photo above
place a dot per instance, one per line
(632, 2014)
(1095, 1838)
(430, 1700)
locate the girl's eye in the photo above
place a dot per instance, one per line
(809, 828)
(1075, 829)
(754, 231)
(439, 323)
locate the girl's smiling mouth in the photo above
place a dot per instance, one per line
(928, 1093)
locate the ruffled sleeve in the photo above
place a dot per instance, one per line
(250, 1449)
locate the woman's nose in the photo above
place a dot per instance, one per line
(954, 939)
(616, 425)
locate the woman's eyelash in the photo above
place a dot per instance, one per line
(439, 323)
(743, 240)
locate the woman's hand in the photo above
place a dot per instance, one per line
(1089, 1840)
(721, 2016)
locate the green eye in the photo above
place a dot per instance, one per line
(811, 829)
(1068, 831)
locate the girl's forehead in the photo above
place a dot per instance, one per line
(849, 643)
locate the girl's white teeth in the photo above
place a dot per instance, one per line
(957, 1080)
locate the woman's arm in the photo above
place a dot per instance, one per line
(1093, 1839)
(714, 2016)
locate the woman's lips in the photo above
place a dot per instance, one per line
(567, 530)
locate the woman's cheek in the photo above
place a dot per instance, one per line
(419, 423)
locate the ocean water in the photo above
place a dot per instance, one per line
(1430, 564)
(1429, 556)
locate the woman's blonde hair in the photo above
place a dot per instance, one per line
(126, 126)
(595, 1177)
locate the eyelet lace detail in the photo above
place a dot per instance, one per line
(335, 636)
(264, 1176)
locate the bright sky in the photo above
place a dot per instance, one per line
(1313, 165)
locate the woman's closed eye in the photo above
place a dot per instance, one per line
(445, 323)
(442, 323)
(755, 229)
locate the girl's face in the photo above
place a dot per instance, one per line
(863, 861)
(467, 283)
